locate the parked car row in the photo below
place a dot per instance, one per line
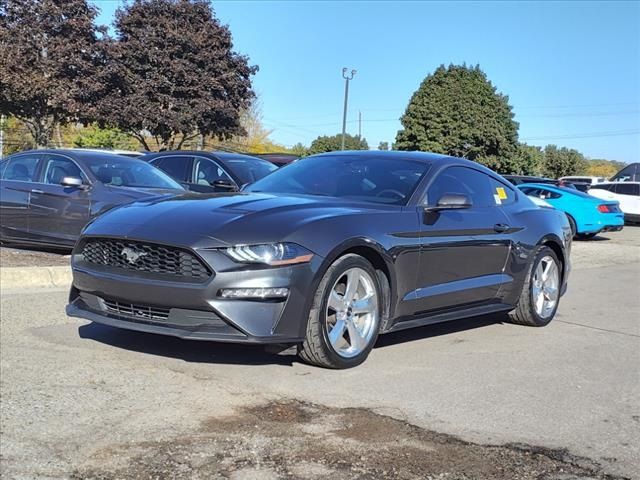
(208, 172)
(624, 190)
(48, 196)
(587, 215)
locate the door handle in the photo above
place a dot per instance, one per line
(35, 190)
(501, 227)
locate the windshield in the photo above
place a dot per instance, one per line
(127, 172)
(248, 169)
(359, 177)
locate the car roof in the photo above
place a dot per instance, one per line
(420, 156)
(217, 154)
(233, 155)
(530, 177)
(126, 153)
(78, 153)
(626, 182)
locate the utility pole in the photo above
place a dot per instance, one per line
(2, 120)
(359, 125)
(347, 79)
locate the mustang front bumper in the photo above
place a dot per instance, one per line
(196, 310)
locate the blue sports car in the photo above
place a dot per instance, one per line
(587, 215)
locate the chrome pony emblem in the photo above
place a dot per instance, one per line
(132, 255)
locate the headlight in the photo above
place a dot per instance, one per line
(270, 254)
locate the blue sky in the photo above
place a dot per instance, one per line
(571, 69)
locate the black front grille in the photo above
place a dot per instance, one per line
(144, 312)
(144, 257)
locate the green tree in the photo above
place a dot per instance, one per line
(560, 162)
(50, 52)
(603, 168)
(383, 146)
(298, 149)
(93, 136)
(16, 136)
(457, 111)
(256, 137)
(173, 75)
(528, 160)
(331, 144)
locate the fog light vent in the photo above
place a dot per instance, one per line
(277, 292)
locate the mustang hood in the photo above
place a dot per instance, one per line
(218, 220)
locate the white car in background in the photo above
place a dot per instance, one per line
(582, 179)
(627, 193)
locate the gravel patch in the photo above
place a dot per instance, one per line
(271, 442)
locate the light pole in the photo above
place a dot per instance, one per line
(347, 78)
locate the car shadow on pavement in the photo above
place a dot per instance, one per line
(192, 351)
(597, 238)
(438, 329)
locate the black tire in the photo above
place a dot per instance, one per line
(525, 312)
(316, 348)
(572, 224)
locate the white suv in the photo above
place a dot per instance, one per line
(627, 193)
(580, 179)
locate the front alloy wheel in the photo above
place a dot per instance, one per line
(352, 313)
(344, 319)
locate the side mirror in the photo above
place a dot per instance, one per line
(451, 201)
(71, 182)
(225, 185)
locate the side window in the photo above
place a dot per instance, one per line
(545, 194)
(208, 172)
(174, 166)
(22, 168)
(504, 193)
(531, 191)
(624, 188)
(463, 181)
(57, 167)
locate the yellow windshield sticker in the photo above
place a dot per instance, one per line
(501, 193)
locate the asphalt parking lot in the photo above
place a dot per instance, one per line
(477, 399)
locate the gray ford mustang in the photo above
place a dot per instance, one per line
(326, 253)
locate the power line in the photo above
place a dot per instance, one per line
(584, 105)
(551, 115)
(619, 133)
(579, 114)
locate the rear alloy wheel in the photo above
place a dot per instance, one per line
(540, 294)
(345, 317)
